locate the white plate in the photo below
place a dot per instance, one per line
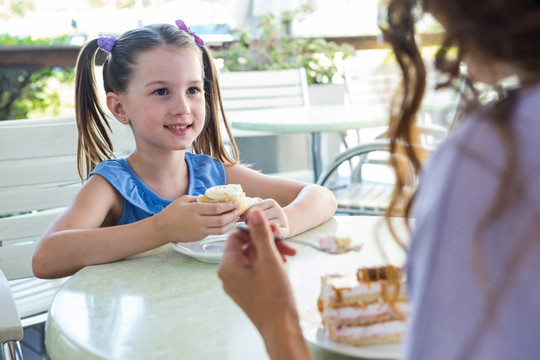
(314, 333)
(209, 249)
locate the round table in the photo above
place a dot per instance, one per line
(165, 305)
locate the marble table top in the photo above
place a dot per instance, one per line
(310, 119)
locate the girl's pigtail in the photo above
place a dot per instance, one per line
(210, 141)
(94, 143)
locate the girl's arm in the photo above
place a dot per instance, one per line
(81, 235)
(304, 205)
(87, 234)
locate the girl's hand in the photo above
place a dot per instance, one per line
(187, 220)
(274, 213)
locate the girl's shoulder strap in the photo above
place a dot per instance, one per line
(204, 172)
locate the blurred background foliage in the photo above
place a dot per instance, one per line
(29, 90)
(277, 49)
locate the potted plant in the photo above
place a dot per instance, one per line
(276, 48)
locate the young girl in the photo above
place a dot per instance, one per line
(473, 261)
(160, 81)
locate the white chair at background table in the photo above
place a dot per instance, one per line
(372, 85)
(363, 186)
(349, 175)
(248, 90)
(259, 90)
(38, 179)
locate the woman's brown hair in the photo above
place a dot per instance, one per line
(95, 143)
(504, 31)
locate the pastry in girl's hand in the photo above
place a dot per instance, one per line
(231, 192)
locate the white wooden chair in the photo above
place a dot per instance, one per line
(370, 83)
(375, 85)
(245, 90)
(254, 90)
(361, 177)
(363, 186)
(38, 179)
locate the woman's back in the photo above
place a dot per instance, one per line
(446, 271)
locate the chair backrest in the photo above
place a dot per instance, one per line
(38, 178)
(369, 83)
(245, 90)
(376, 83)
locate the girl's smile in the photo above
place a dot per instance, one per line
(178, 129)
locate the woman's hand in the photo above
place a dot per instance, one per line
(186, 220)
(253, 275)
(273, 213)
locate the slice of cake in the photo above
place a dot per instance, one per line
(224, 193)
(366, 308)
(337, 244)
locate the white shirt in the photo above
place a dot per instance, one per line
(447, 296)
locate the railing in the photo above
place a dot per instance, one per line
(31, 57)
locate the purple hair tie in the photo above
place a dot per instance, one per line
(183, 26)
(106, 43)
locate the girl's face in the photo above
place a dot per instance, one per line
(164, 101)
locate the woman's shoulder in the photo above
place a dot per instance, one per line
(479, 137)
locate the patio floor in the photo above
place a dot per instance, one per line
(32, 346)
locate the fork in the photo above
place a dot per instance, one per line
(319, 248)
(244, 227)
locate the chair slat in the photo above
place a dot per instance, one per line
(38, 171)
(269, 92)
(25, 199)
(37, 141)
(33, 296)
(26, 226)
(23, 139)
(256, 78)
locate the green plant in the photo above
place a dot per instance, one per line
(277, 49)
(18, 8)
(26, 90)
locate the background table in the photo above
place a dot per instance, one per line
(312, 120)
(165, 305)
